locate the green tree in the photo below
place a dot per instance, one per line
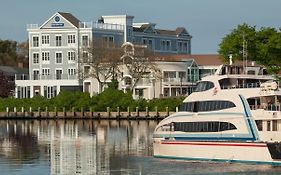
(263, 46)
(233, 43)
(269, 49)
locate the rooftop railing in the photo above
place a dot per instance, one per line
(105, 26)
(32, 26)
(92, 25)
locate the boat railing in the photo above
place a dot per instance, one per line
(269, 107)
(240, 86)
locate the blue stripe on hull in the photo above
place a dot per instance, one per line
(219, 160)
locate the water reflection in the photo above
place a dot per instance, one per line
(76, 146)
(91, 147)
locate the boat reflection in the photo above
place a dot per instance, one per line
(77, 146)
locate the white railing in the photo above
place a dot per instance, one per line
(32, 26)
(45, 77)
(105, 26)
(176, 80)
(269, 107)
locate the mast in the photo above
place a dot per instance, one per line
(245, 53)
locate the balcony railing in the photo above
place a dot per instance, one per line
(45, 77)
(105, 26)
(32, 26)
(176, 80)
(92, 25)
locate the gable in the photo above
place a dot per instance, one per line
(61, 20)
(149, 29)
(181, 31)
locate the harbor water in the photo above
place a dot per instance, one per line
(98, 147)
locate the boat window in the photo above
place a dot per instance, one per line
(203, 86)
(203, 106)
(212, 126)
(268, 125)
(166, 127)
(259, 124)
(274, 125)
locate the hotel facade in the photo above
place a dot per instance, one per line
(55, 46)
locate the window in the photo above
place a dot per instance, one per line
(148, 42)
(170, 74)
(139, 92)
(185, 47)
(58, 41)
(259, 124)
(50, 91)
(166, 45)
(274, 125)
(180, 46)
(70, 39)
(206, 126)
(45, 71)
(212, 126)
(71, 71)
(58, 74)
(182, 76)
(45, 39)
(202, 106)
(45, 56)
(268, 125)
(35, 58)
(23, 91)
(107, 41)
(71, 55)
(35, 41)
(85, 40)
(86, 70)
(129, 32)
(203, 86)
(35, 74)
(58, 57)
(85, 56)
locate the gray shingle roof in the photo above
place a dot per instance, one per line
(70, 18)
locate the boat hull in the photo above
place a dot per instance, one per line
(215, 151)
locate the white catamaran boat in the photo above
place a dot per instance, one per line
(233, 115)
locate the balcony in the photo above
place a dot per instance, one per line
(32, 26)
(103, 26)
(175, 80)
(45, 77)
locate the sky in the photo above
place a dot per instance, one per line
(207, 21)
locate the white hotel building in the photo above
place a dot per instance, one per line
(54, 49)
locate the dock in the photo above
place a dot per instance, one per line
(86, 115)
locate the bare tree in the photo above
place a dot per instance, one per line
(7, 86)
(138, 62)
(100, 60)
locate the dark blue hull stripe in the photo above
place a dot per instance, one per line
(247, 113)
(219, 160)
(215, 139)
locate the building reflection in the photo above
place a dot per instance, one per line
(78, 146)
